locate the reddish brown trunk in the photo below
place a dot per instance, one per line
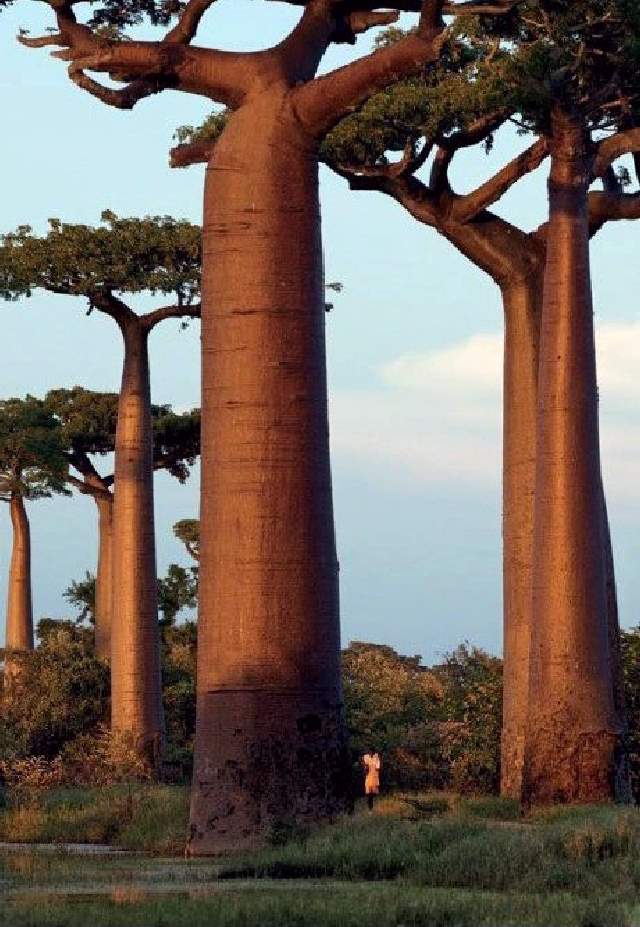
(19, 607)
(136, 704)
(573, 732)
(104, 578)
(522, 310)
(269, 741)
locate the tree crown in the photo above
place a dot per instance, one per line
(88, 422)
(32, 462)
(157, 254)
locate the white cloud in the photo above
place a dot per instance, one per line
(437, 415)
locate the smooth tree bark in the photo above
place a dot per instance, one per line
(269, 720)
(515, 260)
(270, 739)
(19, 636)
(100, 489)
(573, 737)
(104, 577)
(129, 540)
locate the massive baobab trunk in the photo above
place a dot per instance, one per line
(136, 703)
(269, 746)
(19, 607)
(573, 730)
(104, 577)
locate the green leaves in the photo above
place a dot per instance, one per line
(176, 440)
(157, 254)
(87, 419)
(32, 462)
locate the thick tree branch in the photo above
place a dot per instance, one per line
(611, 207)
(151, 319)
(88, 489)
(42, 41)
(439, 180)
(322, 103)
(199, 152)
(148, 67)
(110, 305)
(615, 147)
(469, 206)
(122, 98)
(471, 8)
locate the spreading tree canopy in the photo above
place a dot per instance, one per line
(32, 462)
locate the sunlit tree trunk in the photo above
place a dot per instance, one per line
(136, 703)
(573, 735)
(104, 577)
(522, 302)
(269, 742)
(19, 632)
(19, 607)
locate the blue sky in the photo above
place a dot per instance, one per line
(414, 353)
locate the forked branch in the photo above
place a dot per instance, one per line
(469, 206)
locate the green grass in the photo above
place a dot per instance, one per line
(418, 859)
(385, 905)
(135, 817)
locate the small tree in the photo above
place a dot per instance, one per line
(32, 466)
(152, 255)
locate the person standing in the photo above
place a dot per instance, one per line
(372, 765)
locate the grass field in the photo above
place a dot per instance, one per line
(426, 860)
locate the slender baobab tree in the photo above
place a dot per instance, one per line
(567, 74)
(270, 738)
(152, 255)
(89, 421)
(32, 466)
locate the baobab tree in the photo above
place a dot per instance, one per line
(270, 739)
(515, 260)
(89, 424)
(152, 255)
(567, 75)
(474, 92)
(32, 466)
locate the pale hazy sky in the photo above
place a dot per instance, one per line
(414, 354)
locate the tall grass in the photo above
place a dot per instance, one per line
(136, 817)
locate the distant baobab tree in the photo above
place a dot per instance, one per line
(89, 421)
(32, 466)
(270, 742)
(152, 255)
